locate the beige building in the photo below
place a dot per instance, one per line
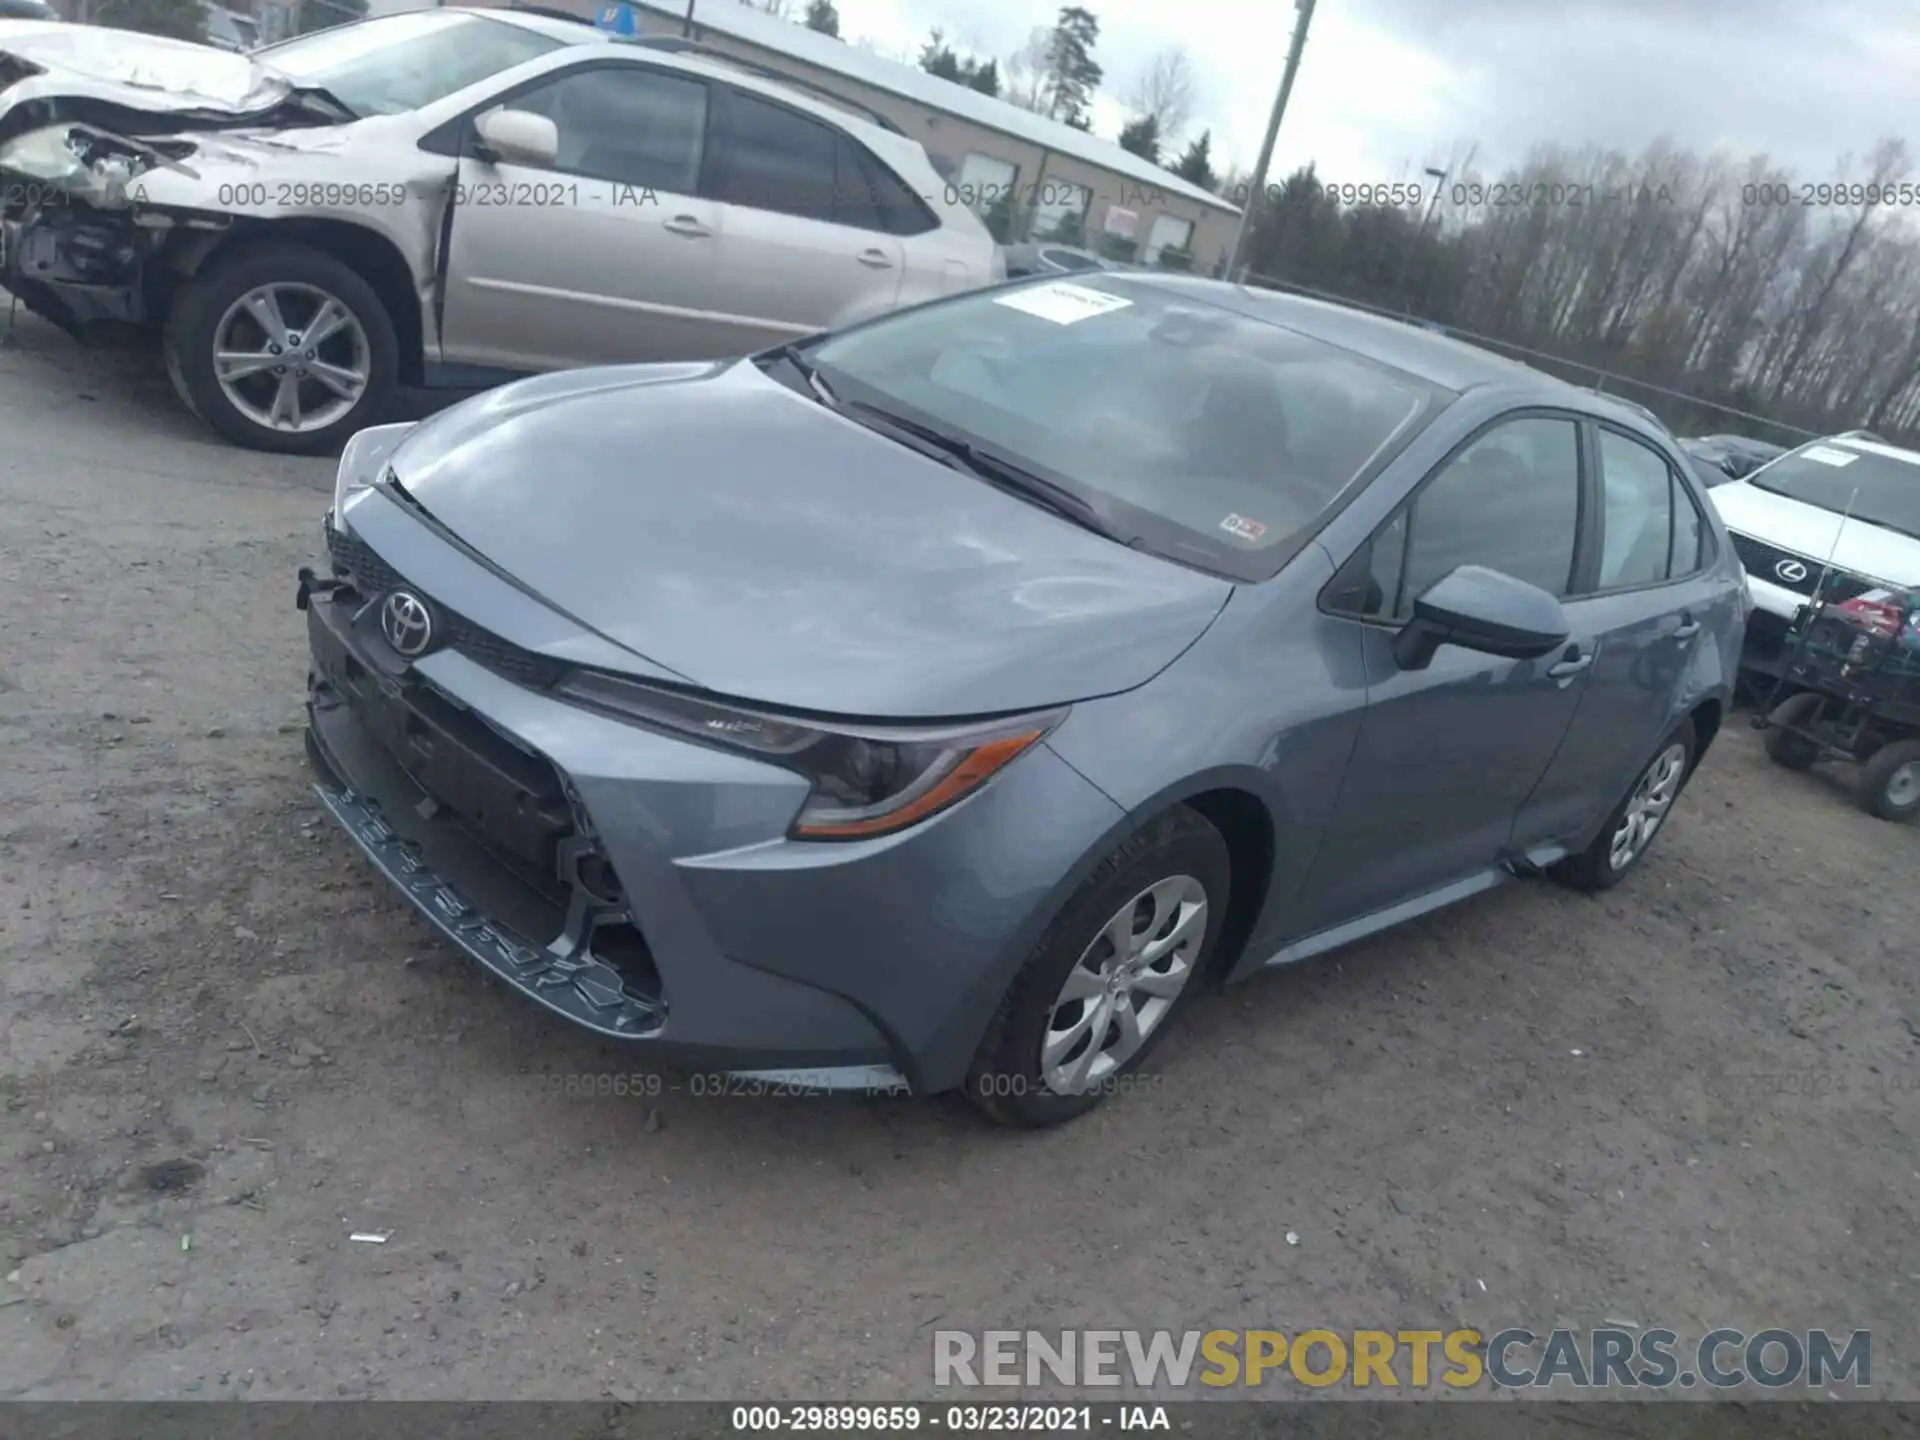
(1028, 176)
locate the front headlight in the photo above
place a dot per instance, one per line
(866, 781)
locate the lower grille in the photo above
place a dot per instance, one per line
(356, 561)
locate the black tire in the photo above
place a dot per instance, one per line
(1795, 752)
(1876, 791)
(1006, 1081)
(190, 331)
(1595, 869)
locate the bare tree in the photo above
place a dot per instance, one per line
(1166, 90)
(1026, 72)
(1700, 274)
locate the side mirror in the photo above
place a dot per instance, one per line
(518, 137)
(1484, 610)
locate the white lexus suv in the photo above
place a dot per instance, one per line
(1845, 509)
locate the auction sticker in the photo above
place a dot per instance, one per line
(1827, 455)
(1062, 303)
(1242, 528)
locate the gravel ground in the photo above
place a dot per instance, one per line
(224, 1046)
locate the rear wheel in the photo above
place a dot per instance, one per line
(1784, 747)
(1107, 979)
(1889, 783)
(1630, 829)
(282, 348)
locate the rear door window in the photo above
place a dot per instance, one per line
(775, 159)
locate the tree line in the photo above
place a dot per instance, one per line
(1734, 281)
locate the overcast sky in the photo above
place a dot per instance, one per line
(1389, 86)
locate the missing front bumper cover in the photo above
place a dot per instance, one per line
(565, 975)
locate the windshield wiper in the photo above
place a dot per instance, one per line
(796, 356)
(1005, 474)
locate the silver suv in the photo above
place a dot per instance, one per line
(446, 197)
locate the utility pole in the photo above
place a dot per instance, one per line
(1258, 191)
(1419, 239)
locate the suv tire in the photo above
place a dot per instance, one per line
(256, 297)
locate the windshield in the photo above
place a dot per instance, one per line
(402, 62)
(1210, 435)
(1874, 483)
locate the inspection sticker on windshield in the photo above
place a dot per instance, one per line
(1062, 303)
(1242, 528)
(1827, 455)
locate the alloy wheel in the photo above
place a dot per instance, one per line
(1124, 983)
(291, 357)
(1652, 798)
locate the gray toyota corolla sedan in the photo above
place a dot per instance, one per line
(940, 703)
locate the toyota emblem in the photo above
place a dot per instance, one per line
(407, 623)
(1791, 571)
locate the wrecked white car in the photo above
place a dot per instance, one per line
(444, 197)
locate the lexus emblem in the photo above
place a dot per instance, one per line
(407, 624)
(1791, 571)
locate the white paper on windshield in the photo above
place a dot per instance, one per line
(1827, 455)
(1062, 303)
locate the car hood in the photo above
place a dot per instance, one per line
(752, 540)
(1854, 545)
(123, 80)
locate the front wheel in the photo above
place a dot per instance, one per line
(1889, 783)
(1630, 829)
(1107, 979)
(282, 348)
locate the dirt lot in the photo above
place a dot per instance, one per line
(224, 1046)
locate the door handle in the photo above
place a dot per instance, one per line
(1687, 628)
(686, 225)
(1564, 672)
(876, 260)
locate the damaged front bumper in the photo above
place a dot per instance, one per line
(491, 843)
(76, 244)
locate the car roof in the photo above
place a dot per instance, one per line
(1437, 358)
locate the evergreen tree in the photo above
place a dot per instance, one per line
(823, 17)
(1141, 136)
(1072, 74)
(1196, 165)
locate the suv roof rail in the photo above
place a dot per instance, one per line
(681, 45)
(1862, 435)
(550, 12)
